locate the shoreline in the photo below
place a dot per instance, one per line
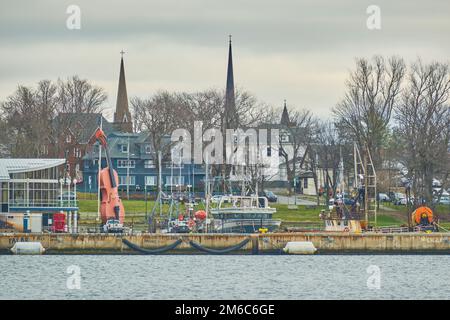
(329, 243)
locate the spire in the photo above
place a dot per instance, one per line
(122, 116)
(285, 116)
(230, 106)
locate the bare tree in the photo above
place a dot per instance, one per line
(79, 96)
(158, 115)
(324, 156)
(423, 127)
(28, 114)
(372, 93)
(295, 139)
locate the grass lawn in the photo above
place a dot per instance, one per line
(135, 213)
(384, 220)
(302, 214)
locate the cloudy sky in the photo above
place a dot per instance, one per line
(297, 50)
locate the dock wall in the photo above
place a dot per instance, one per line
(259, 243)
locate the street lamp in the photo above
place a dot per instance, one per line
(128, 168)
(61, 181)
(145, 197)
(75, 181)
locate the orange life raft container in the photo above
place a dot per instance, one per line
(422, 212)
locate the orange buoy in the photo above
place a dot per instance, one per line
(422, 212)
(200, 215)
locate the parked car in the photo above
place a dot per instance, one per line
(396, 197)
(383, 197)
(444, 200)
(347, 201)
(165, 198)
(217, 197)
(404, 201)
(180, 196)
(271, 197)
(66, 195)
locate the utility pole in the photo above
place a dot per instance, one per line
(366, 190)
(128, 169)
(160, 184)
(206, 191)
(98, 174)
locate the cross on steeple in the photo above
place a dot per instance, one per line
(122, 53)
(229, 36)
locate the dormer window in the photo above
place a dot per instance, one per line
(124, 148)
(148, 149)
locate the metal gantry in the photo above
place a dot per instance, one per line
(366, 177)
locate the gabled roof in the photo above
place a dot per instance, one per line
(8, 166)
(117, 139)
(88, 122)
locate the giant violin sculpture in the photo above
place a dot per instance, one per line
(111, 206)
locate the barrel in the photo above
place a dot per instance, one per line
(27, 248)
(300, 247)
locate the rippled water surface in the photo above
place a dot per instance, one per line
(226, 277)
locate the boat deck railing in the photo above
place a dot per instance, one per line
(242, 202)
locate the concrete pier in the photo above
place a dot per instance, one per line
(331, 243)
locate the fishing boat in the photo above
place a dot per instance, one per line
(243, 214)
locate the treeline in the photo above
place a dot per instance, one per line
(26, 116)
(397, 111)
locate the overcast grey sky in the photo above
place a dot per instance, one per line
(297, 50)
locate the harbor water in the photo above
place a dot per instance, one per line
(225, 277)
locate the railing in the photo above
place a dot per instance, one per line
(391, 229)
(43, 203)
(396, 229)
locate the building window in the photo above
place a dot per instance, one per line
(305, 183)
(121, 164)
(269, 151)
(148, 149)
(124, 148)
(123, 180)
(174, 165)
(68, 138)
(150, 180)
(176, 180)
(284, 138)
(149, 164)
(44, 149)
(77, 153)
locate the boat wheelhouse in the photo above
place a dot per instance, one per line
(340, 219)
(243, 214)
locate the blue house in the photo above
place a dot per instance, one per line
(136, 164)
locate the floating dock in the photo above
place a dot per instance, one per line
(272, 243)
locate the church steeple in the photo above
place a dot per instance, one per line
(285, 116)
(122, 116)
(230, 103)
